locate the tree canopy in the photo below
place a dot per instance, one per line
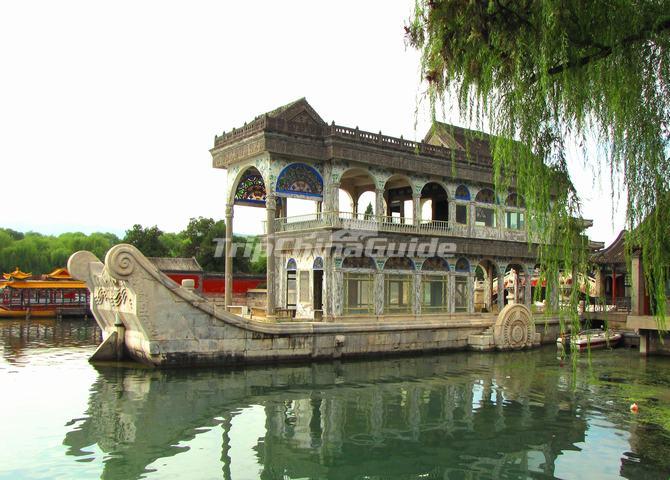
(38, 254)
(543, 74)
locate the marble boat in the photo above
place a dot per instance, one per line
(147, 317)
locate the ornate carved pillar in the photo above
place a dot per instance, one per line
(471, 292)
(379, 294)
(417, 293)
(379, 202)
(416, 203)
(228, 276)
(270, 208)
(501, 285)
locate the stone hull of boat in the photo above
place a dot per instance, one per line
(147, 317)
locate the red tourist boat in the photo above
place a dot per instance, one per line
(53, 295)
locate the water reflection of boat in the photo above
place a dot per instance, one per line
(585, 339)
(54, 295)
(398, 418)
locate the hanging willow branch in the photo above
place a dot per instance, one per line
(542, 73)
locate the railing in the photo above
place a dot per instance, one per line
(368, 222)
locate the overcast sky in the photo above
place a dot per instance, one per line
(108, 109)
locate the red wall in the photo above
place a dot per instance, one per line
(178, 277)
(216, 285)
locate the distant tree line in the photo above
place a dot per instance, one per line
(36, 253)
(202, 238)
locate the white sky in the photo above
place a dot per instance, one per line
(108, 109)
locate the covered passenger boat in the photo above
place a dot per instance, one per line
(54, 295)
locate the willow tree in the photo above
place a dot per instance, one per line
(541, 74)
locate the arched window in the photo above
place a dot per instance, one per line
(299, 180)
(485, 216)
(515, 200)
(434, 287)
(435, 264)
(485, 195)
(514, 219)
(363, 261)
(461, 285)
(291, 276)
(434, 203)
(358, 285)
(317, 283)
(399, 263)
(462, 193)
(398, 286)
(250, 190)
(462, 265)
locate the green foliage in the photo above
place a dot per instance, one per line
(369, 212)
(547, 73)
(202, 238)
(146, 240)
(38, 254)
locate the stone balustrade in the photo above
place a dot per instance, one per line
(367, 222)
(279, 125)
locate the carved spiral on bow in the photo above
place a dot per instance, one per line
(120, 261)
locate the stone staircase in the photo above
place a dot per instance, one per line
(482, 341)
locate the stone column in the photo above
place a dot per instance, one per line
(332, 197)
(270, 208)
(501, 286)
(416, 203)
(326, 295)
(471, 218)
(471, 292)
(379, 202)
(417, 293)
(451, 286)
(378, 278)
(228, 276)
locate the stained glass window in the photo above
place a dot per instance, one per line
(515, 200)
(300, 179)
(359, 262)
(399, 263)
(251, 188)
(485, 196)
(435, 264)
(462, 265)
(462, 193)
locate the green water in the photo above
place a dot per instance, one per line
(452, 416)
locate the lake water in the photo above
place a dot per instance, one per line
(458, 415)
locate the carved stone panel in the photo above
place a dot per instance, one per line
(514, 329)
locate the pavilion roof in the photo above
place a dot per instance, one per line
(17, 274)
(59, 274)
(614, 254)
